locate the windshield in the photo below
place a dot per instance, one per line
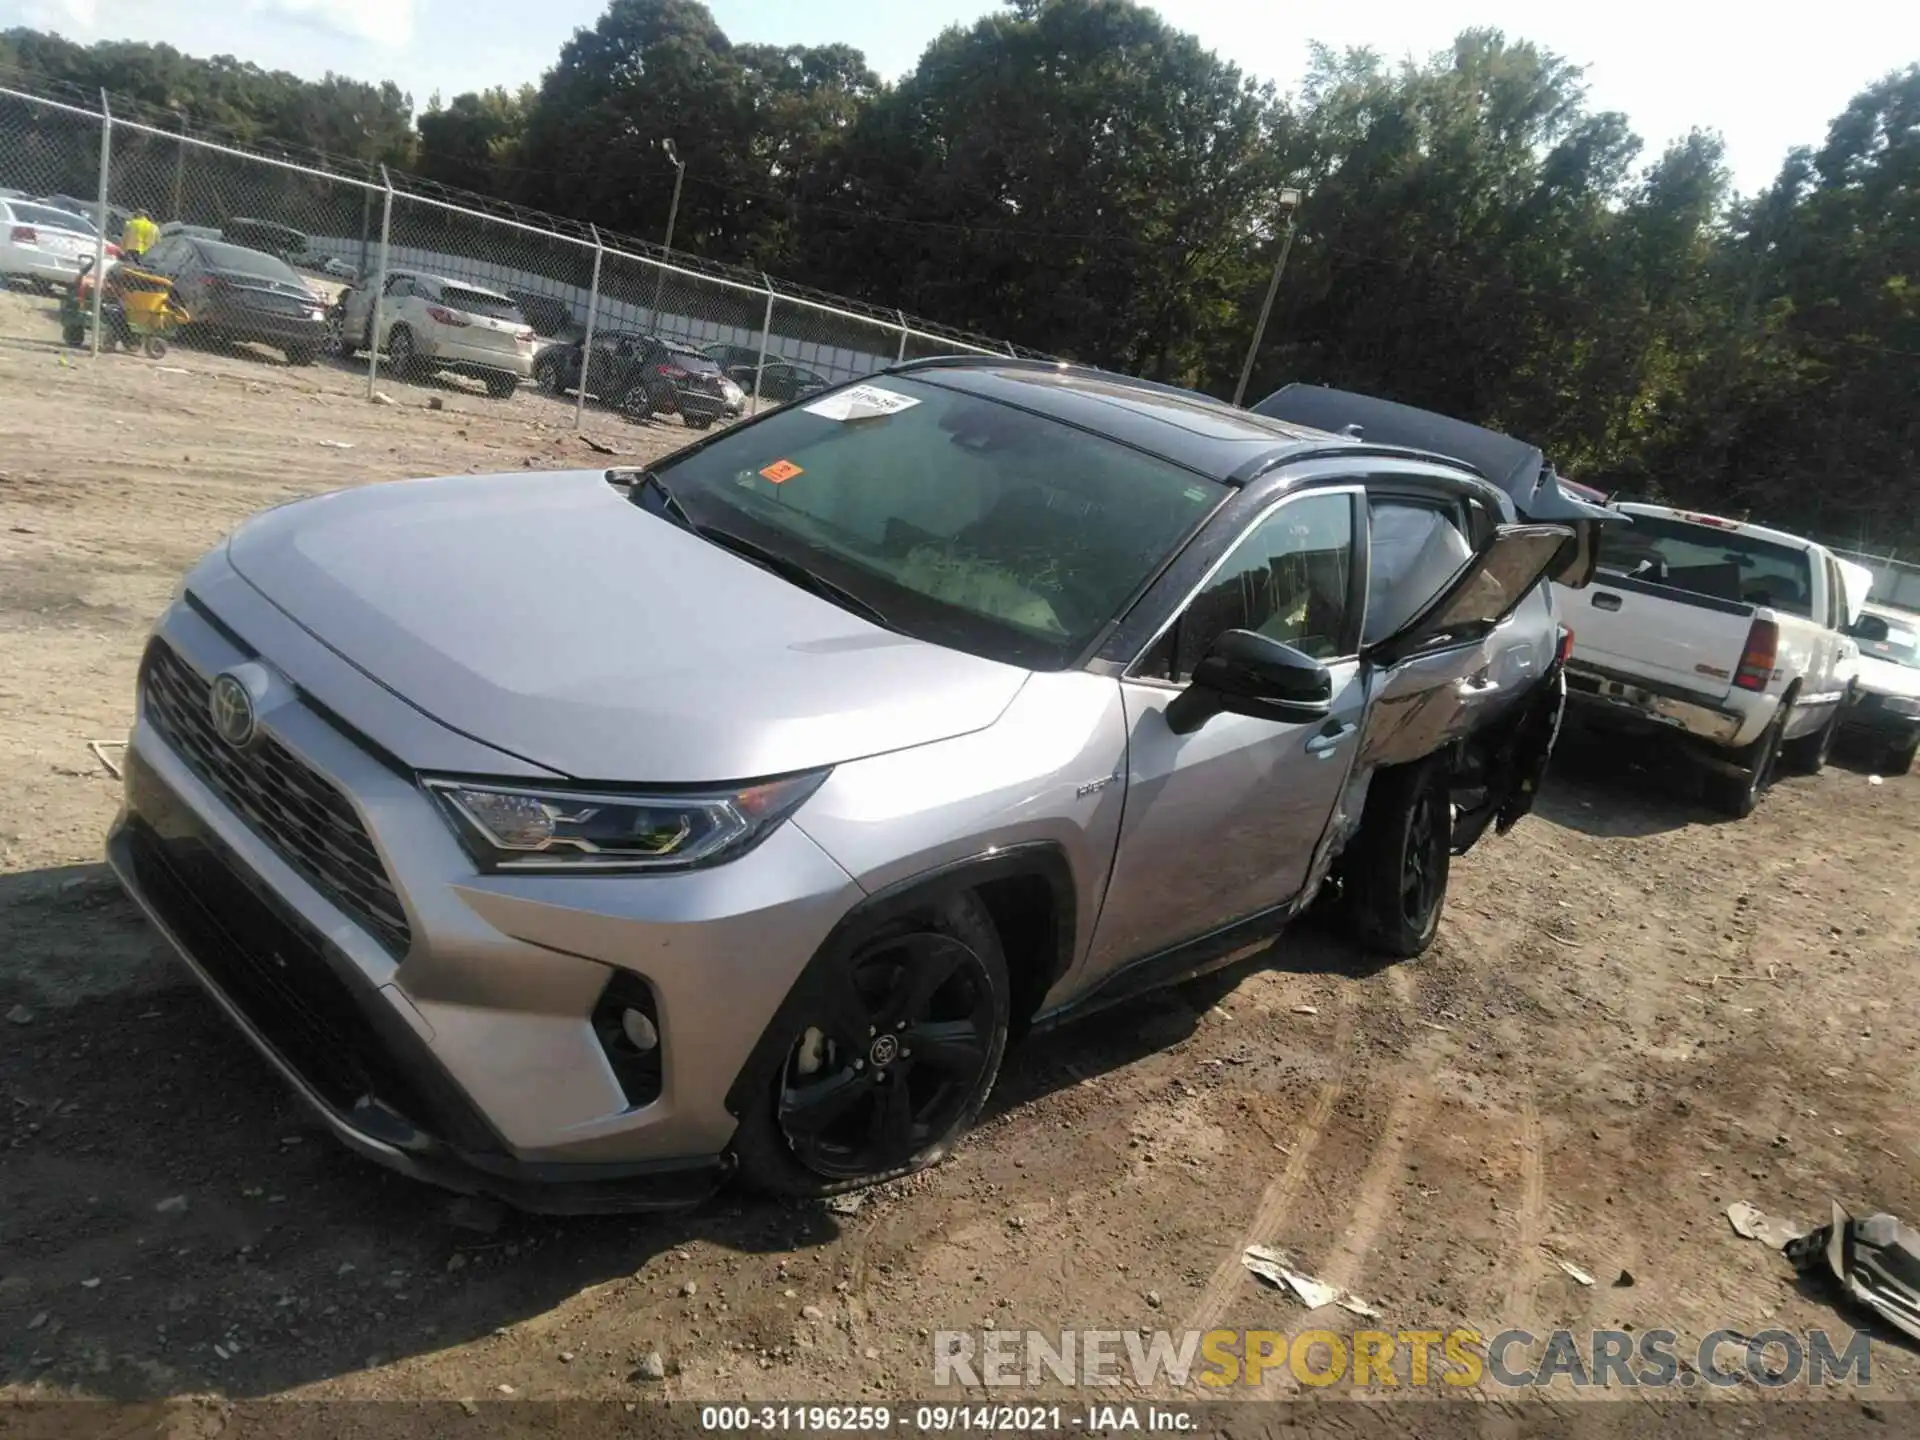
(479, 302)
(241, 261)
(1885, 638)
(1703, 560)
(965, 522)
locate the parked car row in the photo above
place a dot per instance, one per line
(430, 323)
(642, 375)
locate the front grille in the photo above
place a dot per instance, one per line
(276, 972)
(306, 819)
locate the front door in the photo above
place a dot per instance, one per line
(1221, 824)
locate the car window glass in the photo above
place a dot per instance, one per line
(1414, 550)
(1289, 578)
(1709, 560)
(1500, 579)
(967, 522)
(399, 285)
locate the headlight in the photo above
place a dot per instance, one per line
(732, 391)
(1901, 705)
(511, 827)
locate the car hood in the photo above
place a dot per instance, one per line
(547, 616)
(1884, 677)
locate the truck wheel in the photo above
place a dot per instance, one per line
(881, 1057)
(501, 387)
(1395, 874)
(1738, 795)
(1808, 754)
(1900, 761)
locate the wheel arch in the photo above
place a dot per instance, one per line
(1027, 890)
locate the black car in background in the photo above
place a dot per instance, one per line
(780, 379)
(235, 293)
(642, 376)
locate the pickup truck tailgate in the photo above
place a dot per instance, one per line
(1634, 630)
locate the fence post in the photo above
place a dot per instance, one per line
(379, 286)
(100, 239)
(1012, 353)
(766, 337)
(901, 359)
(586, 346)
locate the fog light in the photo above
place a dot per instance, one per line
(640, 1031)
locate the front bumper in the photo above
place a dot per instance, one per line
(1869, 718)
(444, 1026)
(262, 326)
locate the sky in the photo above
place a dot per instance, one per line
(1668, 66)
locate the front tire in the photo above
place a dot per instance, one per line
(401, 356)
(1808, 755)
(1395, 876)
(636, 402)
(890, 1047)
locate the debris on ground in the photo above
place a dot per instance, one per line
(1272, 1266)
(172, 1205)
(100, 748)
(20, 1015)
(470, 1212)
(335, 444)
(436, 402)
(1574, 1272)
(652, 1368)
(380, 397)
(1750, 1222)
(1306, 1009)
(1624, 1280)
(599, 447)
(1875, 1261)
(847, 1204)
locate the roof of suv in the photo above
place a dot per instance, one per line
(1184, 426)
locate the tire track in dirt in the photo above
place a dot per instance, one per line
(1277, 1200)
(1529, 1220)
(1386, 1167)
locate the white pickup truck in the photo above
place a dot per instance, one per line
(1730, 635)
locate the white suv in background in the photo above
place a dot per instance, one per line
(429, 323)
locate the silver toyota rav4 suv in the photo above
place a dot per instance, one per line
(581, 838)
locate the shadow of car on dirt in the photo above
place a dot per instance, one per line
(1621, 786)
(164, 1194)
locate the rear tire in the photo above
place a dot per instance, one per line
(546, 377)
(636, 402)
(501, 387)
(703, 422)
(1394, 877)
(1737, 796)
(301, 355)
(834, 1114)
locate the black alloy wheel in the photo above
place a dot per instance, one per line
(901, 1048)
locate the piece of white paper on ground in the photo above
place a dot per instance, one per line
(1578, 1275)
(1270, 1266)
(860, 402)
(1750, 1222)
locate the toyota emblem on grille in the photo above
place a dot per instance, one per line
(231, 709)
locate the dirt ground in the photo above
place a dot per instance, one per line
(1633, 1017)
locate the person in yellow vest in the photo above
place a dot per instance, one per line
(138, 235)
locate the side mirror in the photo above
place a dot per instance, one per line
(1243, 673)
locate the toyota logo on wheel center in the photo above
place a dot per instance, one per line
(884, 1050)
(231, 709)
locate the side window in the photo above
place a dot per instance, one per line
(1414, 549)
(399, 286)
(1289, 578)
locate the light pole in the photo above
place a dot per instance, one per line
(673, 213)
(179, 159)
(1289, 203)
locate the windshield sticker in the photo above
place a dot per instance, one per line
(860, 402)
(780, 471)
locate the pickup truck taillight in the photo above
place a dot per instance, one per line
(24, 235)
(446, 316)
(1756, 665)
(1564, 652)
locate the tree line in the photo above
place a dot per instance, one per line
(1084, 178)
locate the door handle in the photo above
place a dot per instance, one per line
(1474, 689)
(1605, 600)
(1330, 739)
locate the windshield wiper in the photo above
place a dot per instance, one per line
(644, 482)
(792, 570)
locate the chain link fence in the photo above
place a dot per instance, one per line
(426, 285)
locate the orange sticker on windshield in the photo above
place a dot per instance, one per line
(781, 470)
